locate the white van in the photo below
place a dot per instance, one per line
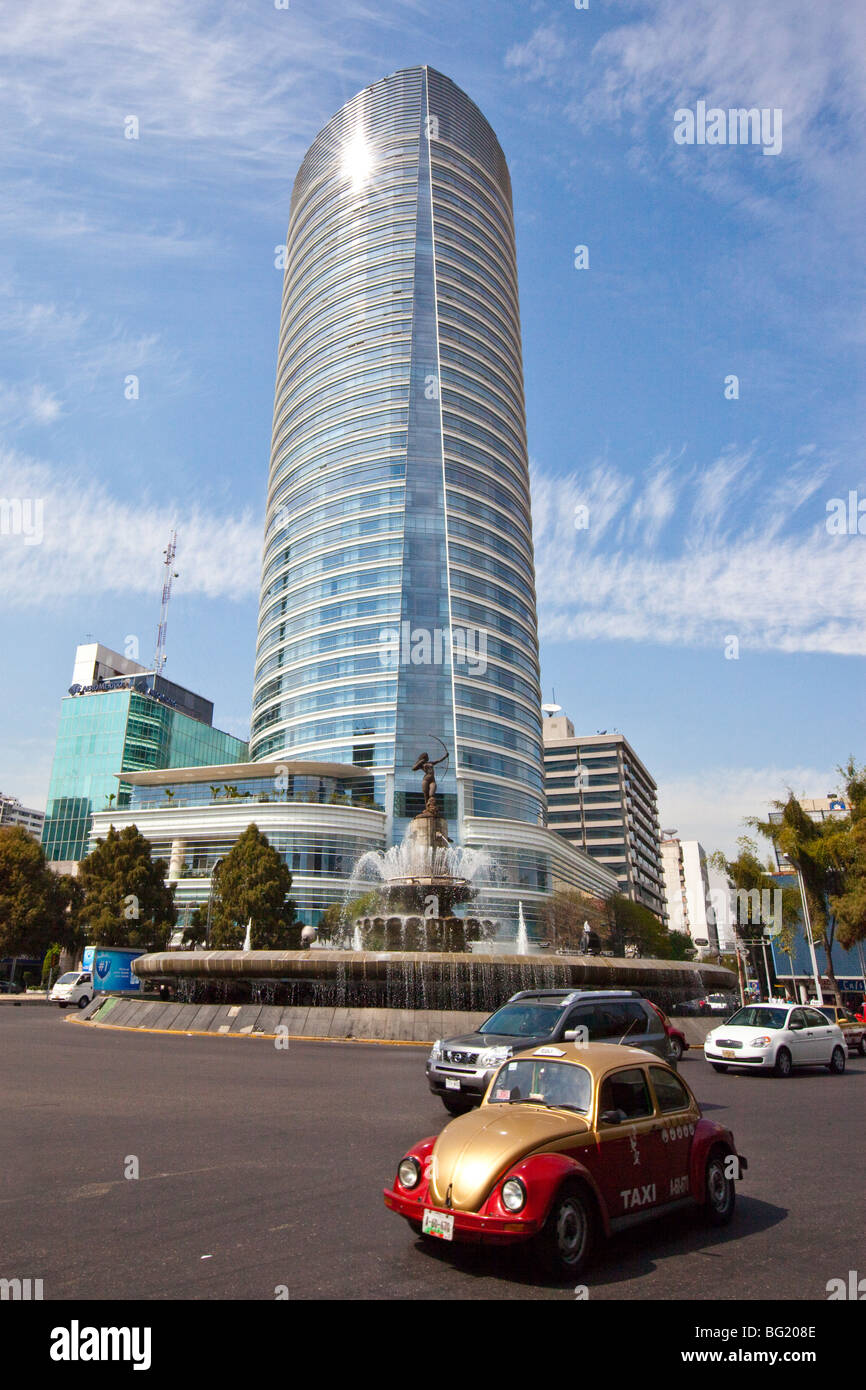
(75, 987)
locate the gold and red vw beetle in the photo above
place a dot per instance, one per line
(571, 1143)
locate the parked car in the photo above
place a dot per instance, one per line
(717, 1004)
(776, 1037)
(569, 1145)
(75, 987)
(677, 1044)
(853, 1031)
(460, 1069)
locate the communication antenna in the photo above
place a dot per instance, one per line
(169, 573)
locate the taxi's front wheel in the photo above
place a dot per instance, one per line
(567, 1240)
(720, 1191)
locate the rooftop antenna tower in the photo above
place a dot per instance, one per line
(168, 574)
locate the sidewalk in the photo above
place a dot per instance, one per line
(38, 997)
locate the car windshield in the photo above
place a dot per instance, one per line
(757, 1016)
(828, 1012)
(561, 1085)
(68, 979)
(524, 1020)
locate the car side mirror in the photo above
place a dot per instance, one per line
(795, 1027)
(613, 1117)
(569, 1035)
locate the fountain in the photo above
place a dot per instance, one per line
(522, 934)
(418, 886)
(411, 948)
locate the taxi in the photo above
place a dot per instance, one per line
(570, 1145)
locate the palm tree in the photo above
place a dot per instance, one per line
(815, 850)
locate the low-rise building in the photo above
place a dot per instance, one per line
(13, 813)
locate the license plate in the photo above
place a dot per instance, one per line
(452, 1083)
(728, 1052)
(437, 1223)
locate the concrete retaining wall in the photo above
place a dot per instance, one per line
(262, 1020)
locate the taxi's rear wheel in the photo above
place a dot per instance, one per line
(837, 1061)
(568, 1237)
(720, 1190)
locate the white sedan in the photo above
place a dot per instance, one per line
(776, 1037)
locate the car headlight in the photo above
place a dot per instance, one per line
(409, 1172)
(493, 1056)
(763, 1041)
(436, 1051)
(513, 1194)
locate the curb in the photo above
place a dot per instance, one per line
(271, 1037)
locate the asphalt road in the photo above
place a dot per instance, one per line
(260, 1168)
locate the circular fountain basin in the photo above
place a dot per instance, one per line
(416, 979)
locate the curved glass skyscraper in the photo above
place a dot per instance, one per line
(398, 591)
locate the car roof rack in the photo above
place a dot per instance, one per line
(567, 995)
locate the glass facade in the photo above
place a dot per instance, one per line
(318, 790)
(397, 605)
(104, 733)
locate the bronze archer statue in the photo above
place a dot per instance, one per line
(428, 785)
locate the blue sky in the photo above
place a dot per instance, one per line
(706, 516)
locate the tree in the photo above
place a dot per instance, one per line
(681, 946)
(848, 902)
(126, 899)
(632, 924)
(820, 853)
(339, 917)
(253, 883)
(564, 913)
(36, 905)
(752, 879)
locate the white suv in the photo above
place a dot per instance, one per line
(776, 1037)
(75, 987)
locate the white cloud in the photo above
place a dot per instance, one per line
(95, 544)
(540, 55)
(712, 806)
(730, 564)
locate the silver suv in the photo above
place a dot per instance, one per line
(459, 1070)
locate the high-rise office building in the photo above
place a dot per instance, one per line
(687, 890)
(601, 797)
(119, 717)
(397, 613)
(13, 813)
(398, 588)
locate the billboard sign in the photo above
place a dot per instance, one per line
(112, 970)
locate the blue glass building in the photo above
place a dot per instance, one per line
(398, 592)
(126, 721)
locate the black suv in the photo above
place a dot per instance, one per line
(459, 1070)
